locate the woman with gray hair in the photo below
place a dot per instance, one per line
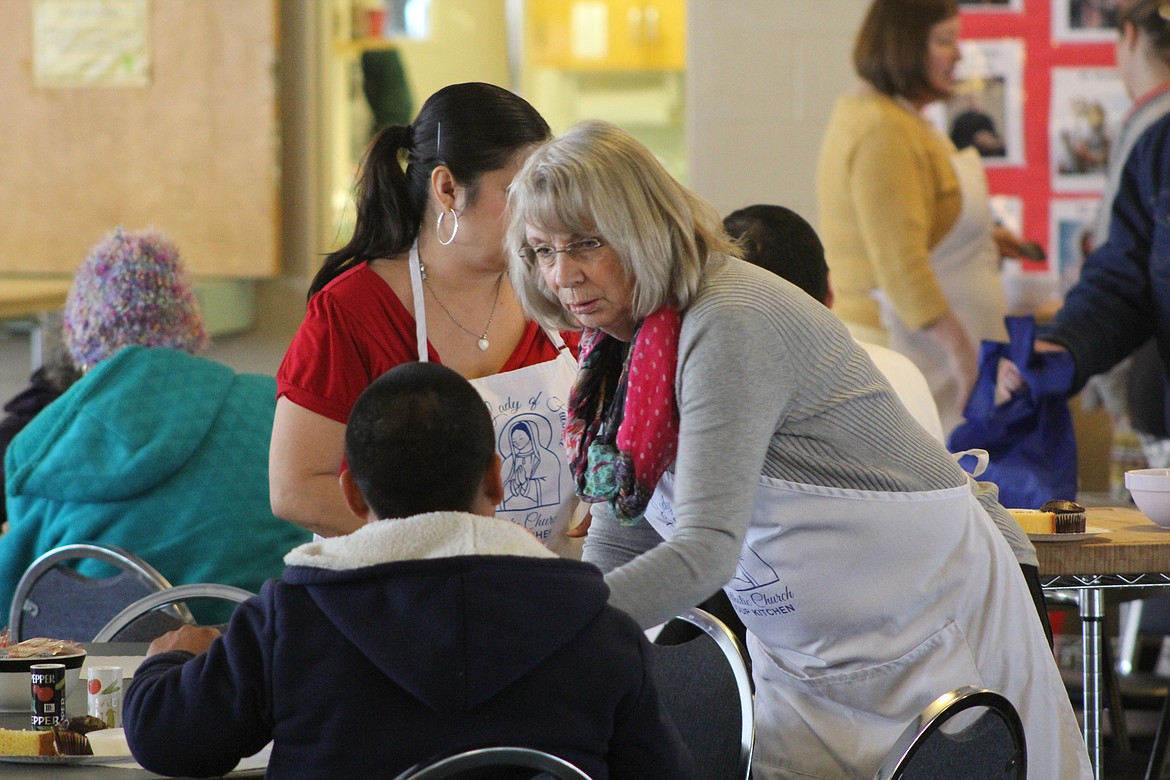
(730, 433)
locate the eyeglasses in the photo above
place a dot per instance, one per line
(545, 255)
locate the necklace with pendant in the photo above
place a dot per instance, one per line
(481, 338)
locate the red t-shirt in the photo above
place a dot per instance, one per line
(356, 329)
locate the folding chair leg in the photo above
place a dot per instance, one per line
(1158, 754)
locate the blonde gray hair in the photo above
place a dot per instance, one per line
(599, 180)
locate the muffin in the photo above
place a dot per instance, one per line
(1070, 516)
(70, 735)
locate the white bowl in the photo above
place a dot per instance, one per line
(1150, 489)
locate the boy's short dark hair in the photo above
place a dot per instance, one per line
(419, 439)
(782, 241)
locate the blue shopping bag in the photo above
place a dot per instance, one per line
(1029, 438)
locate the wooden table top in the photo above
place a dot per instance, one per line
(29, 297)
(1133, 545)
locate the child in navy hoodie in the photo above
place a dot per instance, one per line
(433, 629)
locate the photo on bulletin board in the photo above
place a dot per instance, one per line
(986, 109)
(1088, 106)
(1085, 21)
(1070, 223)
(998, 6)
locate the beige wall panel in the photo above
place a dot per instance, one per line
(762, 77)
(469, 42)
(194, 153)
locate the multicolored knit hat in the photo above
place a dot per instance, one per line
(131, 289)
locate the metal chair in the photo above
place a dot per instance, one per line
(705, 686)
(986, 747)
(123, 626)
(496, 763)
(52, 599)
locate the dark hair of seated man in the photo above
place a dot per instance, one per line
(783, 242)
(419, 439)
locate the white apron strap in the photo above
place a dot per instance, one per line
(982, 459)
(420, 307)
(555, 337)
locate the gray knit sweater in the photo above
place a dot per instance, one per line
(769, 382)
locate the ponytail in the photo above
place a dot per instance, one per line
(482, 128)
(387, 213)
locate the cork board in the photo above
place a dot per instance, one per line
(194, 153)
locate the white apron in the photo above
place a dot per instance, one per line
(528, 412)
(966, 264)
(863, 607)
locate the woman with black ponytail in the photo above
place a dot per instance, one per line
(424, 278)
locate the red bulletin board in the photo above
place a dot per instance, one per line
(1032, 182)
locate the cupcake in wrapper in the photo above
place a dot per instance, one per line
(70, 738)
(1070, 516)
(71, 743)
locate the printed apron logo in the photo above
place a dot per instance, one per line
(531, 469)
(764, 604)
(751, 573)
(754, 572)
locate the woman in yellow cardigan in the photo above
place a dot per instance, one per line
(905, 218)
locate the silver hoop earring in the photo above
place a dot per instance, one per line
(439, 226)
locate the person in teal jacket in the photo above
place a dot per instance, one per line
(154, 449)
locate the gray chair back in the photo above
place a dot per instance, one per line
(706, 689)
(139, 621)
(54, 600)
(990, 745)
(496, 763)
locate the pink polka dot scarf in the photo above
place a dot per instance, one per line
(622, 428)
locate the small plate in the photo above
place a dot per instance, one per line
(66, 759)
(1090, 531)
(70, 660)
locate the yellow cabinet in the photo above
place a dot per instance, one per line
(606, 35)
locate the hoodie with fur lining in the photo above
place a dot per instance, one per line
(406, 640)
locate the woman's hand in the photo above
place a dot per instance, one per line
(1008, 243)
(1016, 247)
(582, 519)
(304, 460)
(1009, 381)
